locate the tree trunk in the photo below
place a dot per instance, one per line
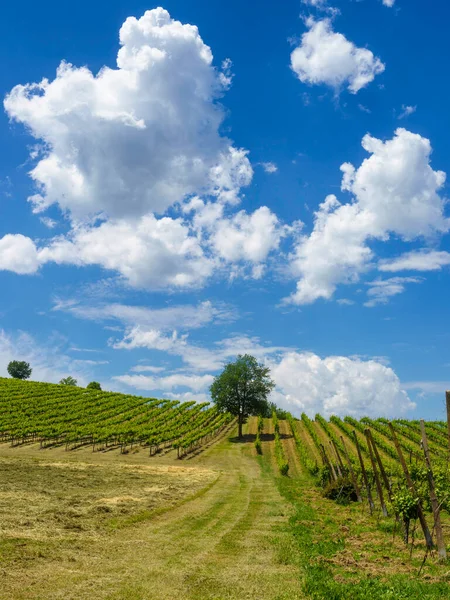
(240, 419)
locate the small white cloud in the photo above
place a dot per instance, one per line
(406, 111)
(18, 254)
(269, 167)
(345, 302)
(389, 3)
(147, 369)
(381, 290)
(363, 108)
(326, 57)
(197, 383)
(50, 223)
(416, 260)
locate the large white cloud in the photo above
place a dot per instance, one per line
(149, 252)
(326, 57)
(338, 385)
(18, 253)
(395, 192)
(138, 138)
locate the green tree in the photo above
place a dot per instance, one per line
(19, 369)
(242, 388)
(68, 381)
(94, 385)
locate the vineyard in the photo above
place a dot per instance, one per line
(398, 469)
(57, 415)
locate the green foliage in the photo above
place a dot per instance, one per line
(242, 388)
(75, 416)
(306, 461)
(404, 504)
(19, 369)
(68, 381)
(94, 385)
(283, 464)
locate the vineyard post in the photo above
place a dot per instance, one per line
(423, 522)
(338, 455)
(364, 474)
(386, 481)
(328, 463)
(447, 399)
(352, 473)
(434, 501)
(333, 451)
(375, 472)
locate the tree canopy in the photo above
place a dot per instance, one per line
(94, 385)
(68, 381)
(242, 388)
(19, 369)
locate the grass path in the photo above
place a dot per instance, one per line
(227, 543)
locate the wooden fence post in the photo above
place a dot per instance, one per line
(375, 472)
(434, 501)
(423, 522)
(364, 474)
(351, 471)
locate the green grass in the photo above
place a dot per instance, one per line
(328, 562)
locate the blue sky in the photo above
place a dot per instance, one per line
(272, 182)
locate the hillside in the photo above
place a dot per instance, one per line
(133, 522)
(49, 414)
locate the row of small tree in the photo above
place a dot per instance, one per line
(20, 369)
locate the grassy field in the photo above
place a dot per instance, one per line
(223, 525)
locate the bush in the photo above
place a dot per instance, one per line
(94, 385)
(341, 490)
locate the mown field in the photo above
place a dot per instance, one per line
(123, 522)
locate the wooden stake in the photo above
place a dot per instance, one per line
(375, 472)
(386, 481)
(434, 501)
(423, 522)
(328, 463)
(337, 461)
(364, 474)
(351, 471)
(447, 399)
(336, 450)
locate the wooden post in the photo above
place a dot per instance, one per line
(423, 522)
(351, 471)
(337, 461)
(386, 481)
(447, 399)
(328, 463)
(364, 474)
(434, 501)
(375, 472)
(336, 450)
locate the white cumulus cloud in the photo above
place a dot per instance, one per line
(394, 193)
(338, 385)
(326, 57)
(137, 138)
(18, 253)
